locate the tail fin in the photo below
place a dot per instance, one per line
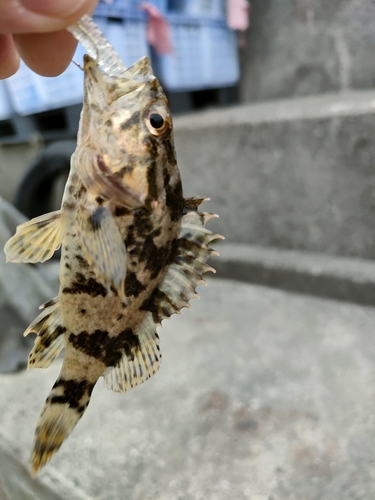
(62, 410)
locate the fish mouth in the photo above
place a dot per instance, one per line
(113, 87)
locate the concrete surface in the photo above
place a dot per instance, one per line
(23, 288)
(306, 47)
(341, 278)
(262, 395)
(296, 174)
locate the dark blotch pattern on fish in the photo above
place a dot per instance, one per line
(133, 287)
(151, 304)
(133, 120)
(46, 340)
(96, 218)
(101, 346)
(73, 392)
(151, 182)
(49, 303)
(83, 285)
(44, 223)
(169, 149)
(142, 222)
(82, 261)
(120, 211)
(175, 201)
(68, 206)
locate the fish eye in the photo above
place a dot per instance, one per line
(156, 119)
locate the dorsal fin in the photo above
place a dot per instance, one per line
(190, 263)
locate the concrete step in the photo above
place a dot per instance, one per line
(340, 278)
(294, 174)
(262, 395)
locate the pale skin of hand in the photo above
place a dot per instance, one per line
(35, 31)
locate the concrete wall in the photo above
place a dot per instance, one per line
(294, 174)
(305, 47)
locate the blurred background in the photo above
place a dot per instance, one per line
(267, 391)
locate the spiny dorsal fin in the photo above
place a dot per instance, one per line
(145, 363)
(103, 248)
(185, 273)
(36, 240)
(49, 341)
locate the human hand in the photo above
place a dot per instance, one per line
(35, 31)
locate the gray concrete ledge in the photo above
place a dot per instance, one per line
(293, 174)
(328, 105)
(340, 278)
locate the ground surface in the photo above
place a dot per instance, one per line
(262, 395)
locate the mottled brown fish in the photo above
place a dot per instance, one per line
(133, 249)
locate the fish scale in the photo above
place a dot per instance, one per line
(133, 249)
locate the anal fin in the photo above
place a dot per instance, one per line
(103, 248)
(36, 240)
(50, 339)
(145, 363)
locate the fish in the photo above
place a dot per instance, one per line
(133, 249)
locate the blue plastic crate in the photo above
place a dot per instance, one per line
(6, 109)
(121, 8)
(127, 36)
(183, 69)
(117, 8)
(221, 68)
(205, 55)
(32, 93)
(162, 5)
(214, 9)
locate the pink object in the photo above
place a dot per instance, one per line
(158, 31)
(238, 14)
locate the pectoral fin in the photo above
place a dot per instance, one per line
(36, 240)
(103, 248)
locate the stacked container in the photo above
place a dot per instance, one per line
(204, 49)
(204, 54)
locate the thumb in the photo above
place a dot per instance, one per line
(38, 16)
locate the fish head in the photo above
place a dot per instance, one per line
(126, 129)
